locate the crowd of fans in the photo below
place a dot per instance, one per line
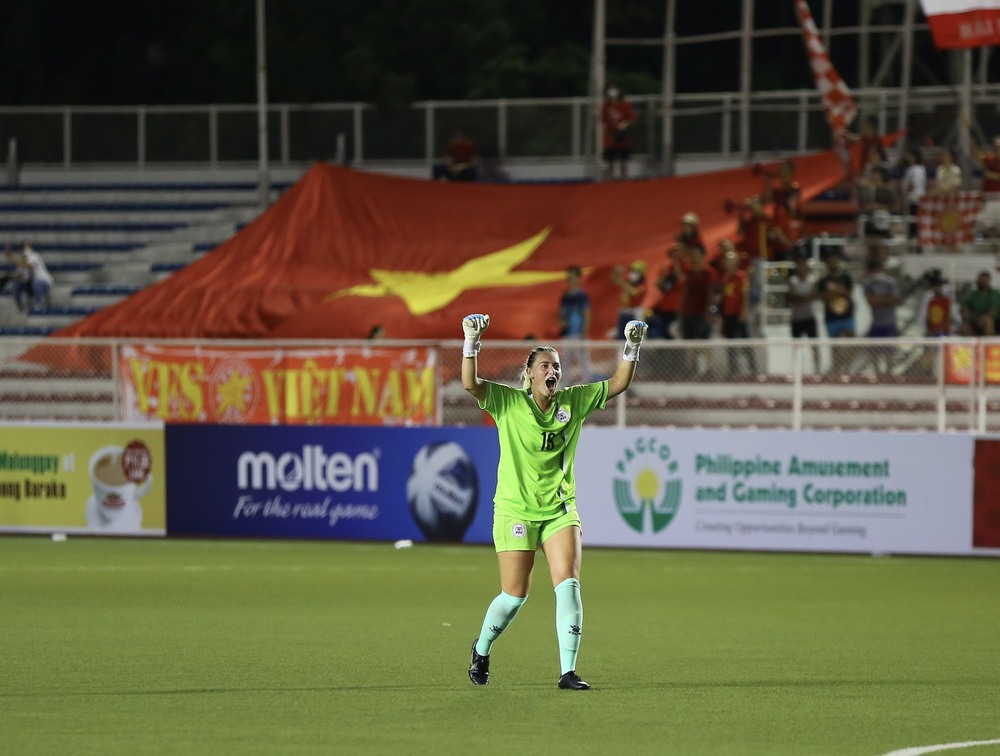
(698, 294)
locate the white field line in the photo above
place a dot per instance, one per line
(918, 750)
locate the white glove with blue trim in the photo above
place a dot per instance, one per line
(635, 332)
(473, 326)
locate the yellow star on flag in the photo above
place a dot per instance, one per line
(233, 392)
(427, 292)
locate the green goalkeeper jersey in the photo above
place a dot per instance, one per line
(535, 478)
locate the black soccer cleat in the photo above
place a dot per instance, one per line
(571, 681)
(479, 667)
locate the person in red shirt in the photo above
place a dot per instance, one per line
(633, 292)
(697, 284)
(937, 308)
(937, 316)
(734, 290)
(786, 199)
(868, 136)
(460, 161)
(617, 117)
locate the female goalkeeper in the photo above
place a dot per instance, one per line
(535, 501)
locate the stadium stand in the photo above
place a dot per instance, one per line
(105, 241)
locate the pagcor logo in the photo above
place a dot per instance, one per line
(647, 483)
(312, 470)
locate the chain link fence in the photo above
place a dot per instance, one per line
(935, 385)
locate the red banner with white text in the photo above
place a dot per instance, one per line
(301, 386)
(963, 23)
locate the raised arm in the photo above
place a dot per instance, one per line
(473, 327)
(635, 331)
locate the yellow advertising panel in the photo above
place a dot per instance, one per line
(99, 479)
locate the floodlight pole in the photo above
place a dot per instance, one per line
(263, 175)
(669, 80)
(905, 65)
(597, 78)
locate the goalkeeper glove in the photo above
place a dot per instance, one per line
(635, 331)
(473, 326)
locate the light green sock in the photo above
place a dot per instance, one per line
(569, 622)
(501, 613)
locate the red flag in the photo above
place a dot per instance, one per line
(837, 100)
(948, 220)
(963, 23)
(344, 250)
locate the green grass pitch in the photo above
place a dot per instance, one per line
(226, 647)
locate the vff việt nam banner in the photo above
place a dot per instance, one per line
(100, 479)
(300, 386)
(776, 490)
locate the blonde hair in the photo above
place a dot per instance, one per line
(528, 363)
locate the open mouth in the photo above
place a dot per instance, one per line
(550, 382)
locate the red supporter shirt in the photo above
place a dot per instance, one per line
(755, 237)
(461, 150)
(938, 316)
(697, 286)
(788, 210)
(614, 113)
(734, 292)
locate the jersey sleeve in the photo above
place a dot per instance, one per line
(499, 398)
(587, 397)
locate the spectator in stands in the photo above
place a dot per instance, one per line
(878, 202)
(759, 241)
(460, 160)
(696, 284)
(786, 199)
(882, 295)
(9, 277)
(663, 311)
(913, 186)
(617, 117)
(633, 293)
(734, 294)
(875, 158)
(937, 311)
(377, 332)
(689, 238)
(836, 290)
(801, 295)
(989, 217)
(981, 308)
(948, 174)
(936, 316)
(37, 283)
(868, 136)
(574, 325)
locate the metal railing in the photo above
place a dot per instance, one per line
(507, 132)
(935, 385)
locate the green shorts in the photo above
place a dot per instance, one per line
(512, 533)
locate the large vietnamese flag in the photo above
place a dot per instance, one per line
(344, 250)
(963, 23)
